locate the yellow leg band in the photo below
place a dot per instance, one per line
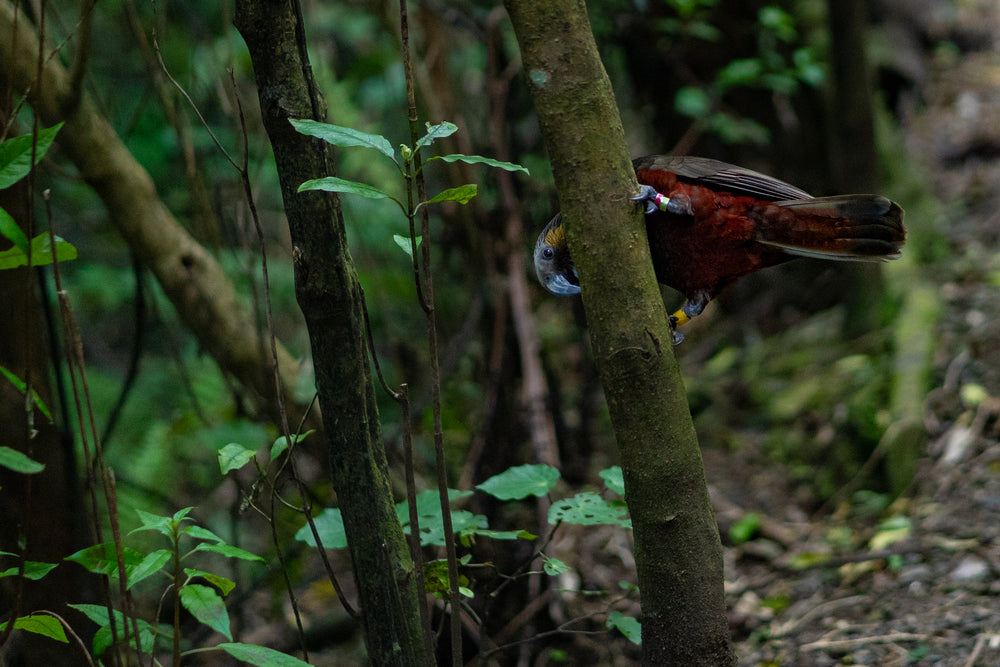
(681, 318)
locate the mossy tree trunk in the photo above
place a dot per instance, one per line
(677, 549)
(328, 292)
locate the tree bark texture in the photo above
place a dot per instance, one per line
(677, 549)
(190, 276)
(328, 292)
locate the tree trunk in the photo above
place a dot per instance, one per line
(328, 292)
(677, 549)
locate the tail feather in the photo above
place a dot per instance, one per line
(854, 228)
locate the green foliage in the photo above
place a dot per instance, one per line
(42, 624)
(347, 137)
(589, 509)
(627, 625)
(19, 462)
(15, 164)
(22, 387)
(521, 481)
(778, 66)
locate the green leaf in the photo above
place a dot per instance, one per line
(261, 655)
(33, 570)
(588, 509)
(206, 605)
(41, 253)
(9, 229)
(281, 443)
(404, 243)
(229, 551)
(502, 534)
(334, 184)
(15, 155)
(463, 194)
(101, 559)
(745, 529)
(199, 533)
(553, 566)
(102, 638)
(22, 387)
(161, 524)
(19, 461)
(742, 71)
(234, 456)
(438, 131)
(517, 482)
(343, 136)
(40, 624)
(479, 159)
(613, 479)
(222, 583)
(330, 526)
(152, 563)
(626, 625)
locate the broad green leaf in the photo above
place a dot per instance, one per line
(234, 456)
(19, 461)
(613, 479)
(334, 184)
(553, 566)
(691, 102)
(102, 638)
(206, 605)
(404, 243)
(479, 159)
(330, 526)
(101, 559)
(151, 564)
(41, 253)
(343, 136)
(33, 570)
(9, 229)
(588, 509)
(462, 522)
(428, 504)
(222, 583)
(199, 533)
(15, 155)
(281, 443)
(436, 579)
(41, 624)
(161, 524)
(261, 655)
(626, 625)
(745, 529)
(515, 483)
(229, 551)
(463, 194)
(438, 131)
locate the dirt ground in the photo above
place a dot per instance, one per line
(923, 589)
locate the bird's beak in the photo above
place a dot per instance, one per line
(559, 285)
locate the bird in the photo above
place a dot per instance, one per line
(710, 223)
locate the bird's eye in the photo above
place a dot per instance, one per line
(548, 253)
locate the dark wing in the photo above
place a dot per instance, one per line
(722, 176)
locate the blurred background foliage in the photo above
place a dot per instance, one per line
(773, 380)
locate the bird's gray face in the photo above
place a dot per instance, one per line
(553, 265)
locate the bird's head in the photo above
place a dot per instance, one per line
(553, 265)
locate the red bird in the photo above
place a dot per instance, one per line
(710, 223)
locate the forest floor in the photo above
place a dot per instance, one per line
(917, 583)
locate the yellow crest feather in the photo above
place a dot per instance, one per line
(555, 237)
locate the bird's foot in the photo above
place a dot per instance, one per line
(676, 337)
(655, 201)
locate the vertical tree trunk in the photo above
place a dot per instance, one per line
(328, 292)
(677, 549)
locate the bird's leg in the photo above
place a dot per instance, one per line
(692, 308)
(678, 204)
